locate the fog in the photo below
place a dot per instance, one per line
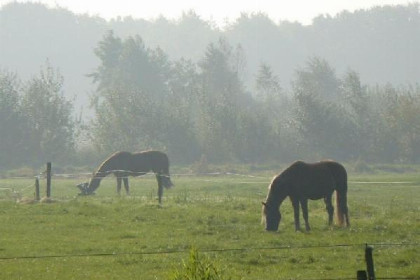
(345, 64)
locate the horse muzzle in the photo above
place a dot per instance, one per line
(84, 188)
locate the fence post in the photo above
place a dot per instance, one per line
(361, 275)
(48, 179)
(369, 262)
(37, 197)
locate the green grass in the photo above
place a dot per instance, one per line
(110, 237)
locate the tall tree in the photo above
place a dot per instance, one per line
(358, 109)
(50, 136)
(219, 98)
(12, 123)
(142, 99)
(323, 124)
(267, 84)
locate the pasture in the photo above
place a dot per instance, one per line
(130, 237)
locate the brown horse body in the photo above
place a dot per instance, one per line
(124, 164)
(302, 181)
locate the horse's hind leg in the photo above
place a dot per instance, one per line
(126, 186)
(330, 208)
(160, 188)
(295, 203)
(304, 204)
(347, 218)
(345, 211)
(119, 179)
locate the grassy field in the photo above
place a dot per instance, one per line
(110, 237)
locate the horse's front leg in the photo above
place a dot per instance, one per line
(295, 203)
(126, 186)
(330, 208)
(304, 204)
(160, 188)
(119, 179)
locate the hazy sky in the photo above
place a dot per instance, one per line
(217, 10)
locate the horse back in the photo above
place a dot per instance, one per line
(117, 161)
(313, 180)
(339, 173)
(140, 163)
(155, 161)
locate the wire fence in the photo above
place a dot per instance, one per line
(17, 192)
(217, 250)
(129, 173)
(224, 250)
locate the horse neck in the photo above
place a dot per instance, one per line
(94, 183)
(107, 167)
(276, 195)
(98, 175)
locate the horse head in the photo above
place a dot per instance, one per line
(272, 217)
(84, 188)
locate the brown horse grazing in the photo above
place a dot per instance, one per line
(302, 181)
(124, 164)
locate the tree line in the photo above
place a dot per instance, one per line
(381, 43)
(203, 110)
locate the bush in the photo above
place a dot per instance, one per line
(362, 167)
(197, 269)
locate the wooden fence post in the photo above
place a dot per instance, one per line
(369, 262)
(361, 275)
(48, 179)
(37, 197)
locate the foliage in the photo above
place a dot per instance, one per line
(35, 119)
(133, 98)
(343, 119)
(218, 96)
(12, 123)
(197, 268)
(372, 41)
(193, 90)
(51, 127)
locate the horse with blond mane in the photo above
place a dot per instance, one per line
(302, 181)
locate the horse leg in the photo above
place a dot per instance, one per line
(330, 208)
(295, 203)
(160, 188)
(304, 205)
(126, 186)
(346, 215)
(347, 218)
(119, 179)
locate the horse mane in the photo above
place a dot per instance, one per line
(102, 171)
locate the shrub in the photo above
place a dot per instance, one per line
(197, 268)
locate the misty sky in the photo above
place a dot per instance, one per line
(217, 10)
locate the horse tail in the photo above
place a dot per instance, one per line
(341, 192)
(341, 201)
(339, 174)
(165, 171)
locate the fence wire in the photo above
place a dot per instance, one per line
(220, 250)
